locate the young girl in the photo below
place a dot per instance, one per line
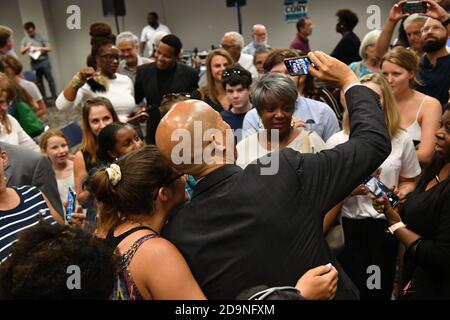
(55, 146)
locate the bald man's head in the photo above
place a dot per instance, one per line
(193, 136)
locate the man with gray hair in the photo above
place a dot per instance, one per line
(6, 42)
(412, 26)
(233, 42)
(128, 45)
(259, 36)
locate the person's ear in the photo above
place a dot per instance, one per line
(112, 154)
(164, 194)
(4, 159)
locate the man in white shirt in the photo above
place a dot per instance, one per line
(148, 34)
(233, 42)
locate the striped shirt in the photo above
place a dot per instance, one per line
(28, 213)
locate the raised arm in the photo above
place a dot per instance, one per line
(395, 14)
(339, 170)
(67, 98)
(435, 11)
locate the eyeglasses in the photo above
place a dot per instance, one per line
(265, 293)
(178, 176)
(432, 28)
(110, 57)
(227, 46)
(228, 73)
(167, 183)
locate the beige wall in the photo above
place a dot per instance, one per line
(199, 23)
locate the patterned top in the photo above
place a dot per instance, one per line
(31, 209)
(125, 288)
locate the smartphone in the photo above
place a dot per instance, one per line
(71, 206)
(378, 189)
(414, 7)
(298, 66)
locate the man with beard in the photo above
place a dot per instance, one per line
(259, 36)
(165, 75)
(434, 69)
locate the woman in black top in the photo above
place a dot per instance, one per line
(424, 226)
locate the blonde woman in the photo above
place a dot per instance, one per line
(366, 240)
(370, 62)
(419, 114)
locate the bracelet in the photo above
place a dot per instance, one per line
(396, 226)
(446, 22)
(77, 81)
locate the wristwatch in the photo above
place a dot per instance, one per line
(396, 226)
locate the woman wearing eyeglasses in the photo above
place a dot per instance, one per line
(103, 81)
(136, 196)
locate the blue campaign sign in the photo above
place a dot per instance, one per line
(295, 9)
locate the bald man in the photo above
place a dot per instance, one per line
(263, 224)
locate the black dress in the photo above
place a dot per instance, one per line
(427, 213)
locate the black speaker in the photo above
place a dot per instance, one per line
(112, 8)
(234, 3)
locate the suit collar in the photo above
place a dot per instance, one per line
(215, 177)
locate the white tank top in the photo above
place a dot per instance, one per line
(414, 130)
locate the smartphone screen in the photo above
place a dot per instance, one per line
(71, 199)
(298, 66)
(378, 189)
(414, 7)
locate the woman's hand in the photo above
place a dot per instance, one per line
(360, 190)
(396, 13)
(319, 283)
(87, 72)
(78, 217)
(383, 205)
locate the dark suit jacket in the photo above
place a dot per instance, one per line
(347, 49)
(185, 79)
(243, 228)
(26, 167)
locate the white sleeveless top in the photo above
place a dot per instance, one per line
(414, 130)
(63, 187)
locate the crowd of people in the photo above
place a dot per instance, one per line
(240, 172)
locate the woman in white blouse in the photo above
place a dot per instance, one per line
(366, 242)
(10, 129)
(119, 88)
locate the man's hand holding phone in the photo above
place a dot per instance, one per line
(331, 70)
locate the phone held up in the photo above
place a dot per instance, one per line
(414, 7)
(378, 189)
(298, 66)
(71, 206)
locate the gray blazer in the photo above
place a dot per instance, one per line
(26, 167)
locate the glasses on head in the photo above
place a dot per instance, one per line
(432, 28)
(265, 293)
(110, 57)
(228, 73)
